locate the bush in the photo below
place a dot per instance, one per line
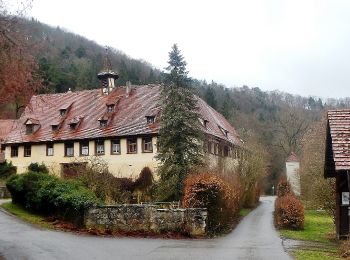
(289, 212)
(219, 197)
(283, 188)
(7, 169)
(47, 194)
(35, 167)
(143, 185)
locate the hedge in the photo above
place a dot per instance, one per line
(7, 169)
(289, 212)
(210, 191)
(48, 194)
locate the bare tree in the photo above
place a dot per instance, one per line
(292, 123)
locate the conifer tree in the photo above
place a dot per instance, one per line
(180, 138)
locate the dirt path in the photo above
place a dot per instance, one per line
(254, 238)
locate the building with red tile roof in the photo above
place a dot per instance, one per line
(120, 124)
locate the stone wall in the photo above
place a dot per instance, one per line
(146, 218)
(4, 193)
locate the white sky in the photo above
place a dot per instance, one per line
(298, 46)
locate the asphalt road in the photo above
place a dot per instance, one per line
(254, 238)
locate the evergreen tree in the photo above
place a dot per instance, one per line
(180, 138)
(210, 98)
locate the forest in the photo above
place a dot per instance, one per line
(36, 58)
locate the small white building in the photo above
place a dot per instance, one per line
(292, 171)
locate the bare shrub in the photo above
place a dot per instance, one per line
(283, 188)
(289, 212)
(96, 176)
(207, 190)
(143, 184)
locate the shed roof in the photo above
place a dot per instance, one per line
(127, 119)
(337, 155)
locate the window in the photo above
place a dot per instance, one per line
(49, 149)
(132, 145)
(54, 127)
(29, 129)
(27, 150)
(14, 151)
(63, 112)
(69, 149)
(115, 147)
(147, 146)
(210, 147)
(72, 126)
(150, 119)
(110, 108)
(216, 149)
(100, 147)
(226, 151)
(103, 123)
(84, 148)
(221, 150)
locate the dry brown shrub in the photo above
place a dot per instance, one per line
(207, 190)
(283, 188)
(289, 212)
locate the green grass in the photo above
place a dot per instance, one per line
(244, 212)
(23, 214)
(317, 227)
(314, 255)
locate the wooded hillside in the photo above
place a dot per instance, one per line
(58, 60)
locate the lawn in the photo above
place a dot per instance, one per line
(314, 255)
(23, 214)
(318, 226)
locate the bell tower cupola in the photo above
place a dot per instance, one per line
(107, 76)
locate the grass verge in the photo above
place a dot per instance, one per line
(318, 226)
(23, 214)
(244, 212)
(314, 255)
(318, 237)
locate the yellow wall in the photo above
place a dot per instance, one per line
(121, 165)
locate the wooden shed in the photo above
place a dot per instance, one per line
(337, 164)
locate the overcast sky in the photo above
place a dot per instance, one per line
(301, 47)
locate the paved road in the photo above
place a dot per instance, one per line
(254, 238)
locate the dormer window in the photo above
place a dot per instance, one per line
(54, 127)
(29, 129)
(72, 126)
(75, 122)
(203, 122)
(150, 119)
(63, 111)
(31, 125)
(103, 123)
(110, 108)
(224, 131)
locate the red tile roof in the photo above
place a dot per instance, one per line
(127, 119)
(5, 128)
(338, 140)
(292, 158)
